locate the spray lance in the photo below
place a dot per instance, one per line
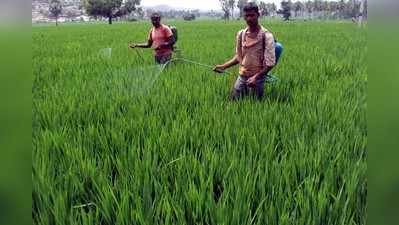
(269, 78)
(201, 64)
(187, 61)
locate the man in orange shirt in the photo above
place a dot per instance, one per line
(255, 52)
(160, 38)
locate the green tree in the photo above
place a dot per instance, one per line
(272, 8)
(232, 4)
(286, 7)
(110, 8)
(225, 8)
(264, 11)
(240, 6)
(298, 8)
(55, 9)
(309, 8)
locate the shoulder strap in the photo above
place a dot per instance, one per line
(152, 29)
(264, 42)
(241, 37)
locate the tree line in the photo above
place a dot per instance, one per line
(308, 9)
(109, 9)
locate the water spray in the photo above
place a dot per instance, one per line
(106, 52)
(139, 54)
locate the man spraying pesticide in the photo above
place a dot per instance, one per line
(161, 38)
(256, 52)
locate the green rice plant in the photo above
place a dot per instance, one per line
(117, 141)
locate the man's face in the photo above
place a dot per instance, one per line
(251, 17)
(156, 21)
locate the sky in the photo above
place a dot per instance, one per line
(194, 4)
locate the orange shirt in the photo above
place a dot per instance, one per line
(160, 36)
(252, 53)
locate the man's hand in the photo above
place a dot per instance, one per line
(132, 45)
(252, 81)
(219, 68)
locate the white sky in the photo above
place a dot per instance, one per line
(194, 4)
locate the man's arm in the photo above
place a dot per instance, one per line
(252, 80)
(264, 71)
(143, 45)
(232, 62)
(235, 60)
